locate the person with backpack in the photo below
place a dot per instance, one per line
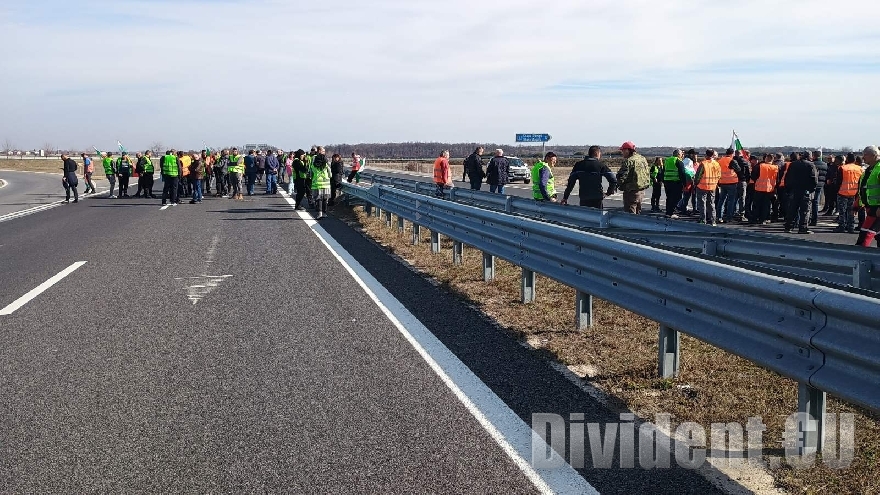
(473, 168)
(123, 172)
(320, 172)
(633, 178)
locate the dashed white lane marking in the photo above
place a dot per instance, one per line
(510, 432)
(21, 301)
(164, 207)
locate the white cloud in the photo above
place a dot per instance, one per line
(293, 72)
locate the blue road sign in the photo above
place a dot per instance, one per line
(532, 138)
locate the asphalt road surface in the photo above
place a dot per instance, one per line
(25, 190)
(823, 232)
(227, 347)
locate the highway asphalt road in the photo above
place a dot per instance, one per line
(823, 232)
(25, 190)
(225, 347)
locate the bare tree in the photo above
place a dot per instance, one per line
(49, 148)
(8, 146)
(157, 148)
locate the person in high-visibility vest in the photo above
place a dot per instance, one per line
(124, 168)
(109, 171)
(765, 177)
(170, 177)
(869, 192)
(236, 171)
(543, 182)
(848, 176)
(147, 174)
(673, 179)
(320, 185)
(442, 177)
(725, 203)
(706, 180)
(184, 188)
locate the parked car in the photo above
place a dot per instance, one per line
(518, 170)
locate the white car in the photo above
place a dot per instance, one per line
(518, 170)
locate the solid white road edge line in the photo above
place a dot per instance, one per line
(47, 206)
(21, 301)
(510, 432)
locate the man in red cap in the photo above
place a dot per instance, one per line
(633, 178)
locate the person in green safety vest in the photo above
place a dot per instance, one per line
(869, 195)
(543, 182)
(123, 172)
(109, 171)
(674, 178)
(656, 184)
(170, 178)
(320, 172)
(147, 174)
(236, 171)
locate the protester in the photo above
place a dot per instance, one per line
(355, 174)
(869, 192)
(656, 184)
(689, 195)
(320, 172)
(633, 177)
(543, 183)
(196, 172)
(271, 168)
(832, 184)
(88, 169)
(170, 177)
(473, 168)
(674, 178)
(848, 177)
(706, 181)
(250, 171)
(765, 177)
(821, 175)
(442, 177)
(800, 183)
(123, 172)
(588, 174)
(497, 172)
(336, 173)
(109, 171)
(725, 203)
(68, 178)
(300, 172)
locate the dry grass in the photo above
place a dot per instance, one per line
(618, 355)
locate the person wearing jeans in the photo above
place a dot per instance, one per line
(497, 172)
(271, 166)
(88, 168)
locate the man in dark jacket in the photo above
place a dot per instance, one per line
(588, 174)
(743, 173)
(473, 168)
(272, 166)
(800, 184)
(260, 161)
(69, 179)
(250, 171)
(821, 174)
(832, 184)
(497, 172)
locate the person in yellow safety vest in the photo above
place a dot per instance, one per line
(725, 203)
(236, 170)
(184, 188)
(706, 179)
(148, 174)
(320, 186)
(869, 192)
(765, 176)
(109, 171)
(849, 175)
(170, 177)
(442, 177)
(543, 183)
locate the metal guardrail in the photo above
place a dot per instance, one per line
(843, 265)
(826, 339)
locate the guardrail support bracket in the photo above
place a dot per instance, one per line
(417, 234)
(488, 267)
(368, 209)
(862, 274)
(457, 251)
(583, 310)
(377, 211)
(811, 401)
(435, 241)
(401, 227)
(710, 248)
(388, 219)
(528, 286)
(669, 352)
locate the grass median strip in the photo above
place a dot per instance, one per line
(618, 356)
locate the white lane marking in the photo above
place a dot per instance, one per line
(21, 301)
(3, 183)
(510, 432)
(47, 206)
(164, 207)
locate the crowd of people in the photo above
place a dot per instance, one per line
(307, 175)
(737, 187)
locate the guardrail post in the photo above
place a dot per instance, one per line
(435, 241)
(583, 310)
(508, 205)
(457, 251)
(604, 219)
(377, 211)
(368, 209)
(452, 194)
(417, 234)
(710, 248)
(401, 227)
(387, 218)
(862, 274)
(669, 352)
(812, 402)
(528, 286)
(488, 267)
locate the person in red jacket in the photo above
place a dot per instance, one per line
(442, 177)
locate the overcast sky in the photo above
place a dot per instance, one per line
(81, 73)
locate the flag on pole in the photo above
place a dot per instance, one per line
(99, 152)
(737, 146)
(121, 147)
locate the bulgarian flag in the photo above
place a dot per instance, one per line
(99, 152)
(737, 146)
(121, 147)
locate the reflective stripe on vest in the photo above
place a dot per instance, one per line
(766, 182)
(728, 176)
(670, 170)
(320, 177)
(236, 164)
(850, 175)
(148, 165)
(711, 175)
(872, 187)
(536, 181)
(169, 165)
